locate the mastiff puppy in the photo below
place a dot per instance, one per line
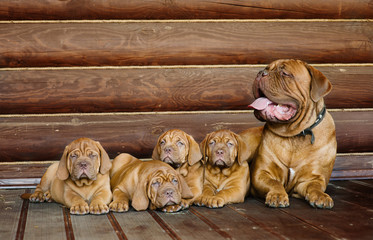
(298, 148)
(227, 176)
(152, 184)
(182, 152)
(80, 180)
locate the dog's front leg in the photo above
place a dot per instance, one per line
(269, 184)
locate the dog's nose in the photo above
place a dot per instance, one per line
(83, 165)
(169, 192)
(220, 152)
(261, 74)
(168, 150)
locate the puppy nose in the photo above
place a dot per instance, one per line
(168, 150)
(169, 192)
(83, 165)
(220, 152)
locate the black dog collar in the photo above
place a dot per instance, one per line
(308, 131)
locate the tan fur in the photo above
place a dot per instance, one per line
(182, 152)
(227, 177)
(63, 182)
(287, 163)
(145, 184)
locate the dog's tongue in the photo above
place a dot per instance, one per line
(260, 103)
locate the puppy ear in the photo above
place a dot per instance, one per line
(106, 164)
(157, 149)
(156, 155)
(203, 148)
(320, 85)
(185, 190)
(243, 150)
(194, 154)
(140, 199)
(62, 172)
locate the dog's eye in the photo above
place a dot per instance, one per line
(175, 181)
(286, 74)
(73, 156)
(230, 144)
(212, 143)
(180, 143)
(92, 155)
(156, 184)
(163, 142)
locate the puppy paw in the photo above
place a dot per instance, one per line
(37, 197)
(214, 202)
(185, 203)
(318, 199)
(98, 208)
(172, 208)
(198, 202)
(48, 196)
(275, 199)
(118, 206)
(79, 208)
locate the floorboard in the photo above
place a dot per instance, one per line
(351, 218)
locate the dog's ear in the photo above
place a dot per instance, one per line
(320, 85)
(105, 164)
(203, 147)
(62, 171)
(185, 190)
(157, 148)
(194, 154)
(140, 199)
(243, 150)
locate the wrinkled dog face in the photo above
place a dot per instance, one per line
(221, 148)
(164, 189)
(174, 147)
(279, 90)
(83, 161)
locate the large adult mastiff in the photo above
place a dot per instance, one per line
(298, 148)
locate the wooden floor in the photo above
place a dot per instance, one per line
(351, 218)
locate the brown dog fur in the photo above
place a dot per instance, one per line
(287, 162)
(182, 152)
(80, 180)
(152, 184)
(227, 176)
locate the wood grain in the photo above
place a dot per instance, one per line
(43, 137)
(163, 89)
(181, 9)
(183, 43)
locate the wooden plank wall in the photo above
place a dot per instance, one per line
(123, 72)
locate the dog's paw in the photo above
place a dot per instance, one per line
(79, 208)
(214, 202)
(198, 202)
(98, 208)
(119, 206)
(276, 199)
(172, 208)
(319, 199)
(48, 196)
(37, 196)
(186, 203)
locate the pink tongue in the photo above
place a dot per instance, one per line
(260, 103)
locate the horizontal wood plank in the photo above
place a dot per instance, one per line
(159, 89)
(183, 9)
(43, 137)
(180, 43)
